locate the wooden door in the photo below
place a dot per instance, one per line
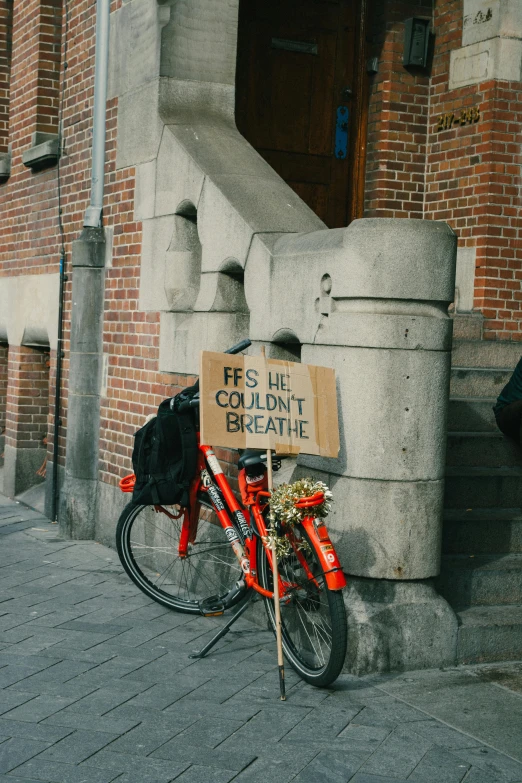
(298, 99)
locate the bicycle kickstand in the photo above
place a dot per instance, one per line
(226, 628)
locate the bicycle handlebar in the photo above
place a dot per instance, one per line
(238, 347)
(186, 404)
(194, 402)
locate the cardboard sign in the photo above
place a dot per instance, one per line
(259, 403)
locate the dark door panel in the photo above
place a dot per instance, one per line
(295, 60)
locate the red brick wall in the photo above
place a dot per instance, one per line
(473, 177)
(467, 174)
(28, 204)
(397, 118)
(28, 201)
(27, 407)
(49, 50)
(131, 338)
(6, 26)
(35, 68)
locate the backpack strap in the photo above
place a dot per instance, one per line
(154, 460)
(189, 448)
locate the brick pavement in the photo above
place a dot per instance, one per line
(98, 687)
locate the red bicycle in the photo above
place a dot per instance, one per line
(213, 555)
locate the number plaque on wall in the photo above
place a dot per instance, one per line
(465, 117)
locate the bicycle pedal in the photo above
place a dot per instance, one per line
(211, 607)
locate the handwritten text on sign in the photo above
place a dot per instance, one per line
(253, 402)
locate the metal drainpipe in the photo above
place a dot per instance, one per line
(79, 503)
(93, 212)
(58, 386)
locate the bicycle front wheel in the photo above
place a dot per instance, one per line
(313, 617)
(147, 541)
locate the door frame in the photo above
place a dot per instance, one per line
(362, 91)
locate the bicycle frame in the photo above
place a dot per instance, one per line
(247, 521)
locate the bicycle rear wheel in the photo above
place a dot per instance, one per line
(313, 617)
(147, 541)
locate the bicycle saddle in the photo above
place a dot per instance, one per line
(254, 461)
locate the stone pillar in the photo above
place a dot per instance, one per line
(77, 515)
(27, 415)
(373, 305)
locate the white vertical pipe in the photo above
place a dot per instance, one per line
(101, 69)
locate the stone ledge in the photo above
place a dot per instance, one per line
(44, 151)
(5, 166)
(467, 326)
(496, 58)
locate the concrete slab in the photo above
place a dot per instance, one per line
(34, 497)
(467, 700)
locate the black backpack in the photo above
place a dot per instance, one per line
(165, 454)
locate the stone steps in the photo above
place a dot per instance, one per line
(482, 531)
(489, 633)
(481, 569)
(483, 487)
(481, 580)
(471, 415)
(488, 354)
(478, 381)
(482, 449)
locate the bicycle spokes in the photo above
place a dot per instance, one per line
(149, 545)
